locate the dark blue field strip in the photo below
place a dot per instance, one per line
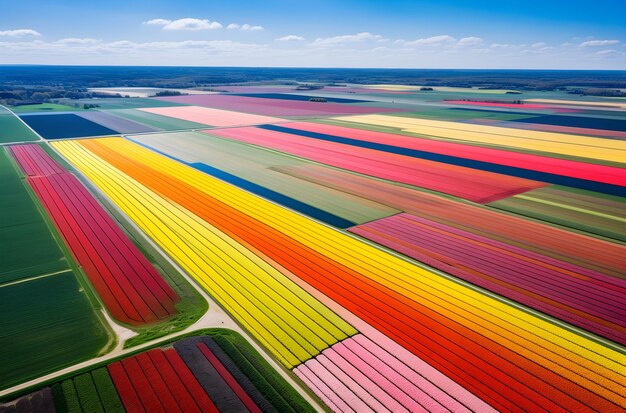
(285, 96)
(256, 189)
(64, 125)
(502, 111)
(557, 120)
(455, 160)
(577, 122)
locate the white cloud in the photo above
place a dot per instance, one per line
(608, 53)
(347, 38)
(191, 50)
(431, 41)
(361, 49)
(19, 33)
(251, 28)
(470, 41)
(244, 27)
(77, 41)
(158, 22)
(598, 43)
(188, 23)
(192, 24)
(290, 38)
(507, 46)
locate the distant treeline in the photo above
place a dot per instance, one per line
(45, 83)
(598, 92)
(14, 95)
(183, 77)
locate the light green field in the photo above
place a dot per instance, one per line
(12, 129)
(256, 165)
(590, 212)
(165, 123)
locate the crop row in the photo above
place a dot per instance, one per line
(509, 358)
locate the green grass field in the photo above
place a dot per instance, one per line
(45, 107)
(28, 248)
(47, 323)
(12, 129)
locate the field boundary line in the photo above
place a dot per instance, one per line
(36, 277)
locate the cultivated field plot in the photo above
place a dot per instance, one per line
(211, 117)
(273, 107)
(594, 150)
(116, 123)
(590, 212)
(218, 372)
(12, 129)
(48, 321)
(64, 125)
(389, 247)
(154, 121)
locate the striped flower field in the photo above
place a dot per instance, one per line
(302, 247)
(487, 349)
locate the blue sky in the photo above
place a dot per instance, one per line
(449, 34)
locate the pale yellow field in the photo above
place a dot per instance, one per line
(618, 105)
(556, 143)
